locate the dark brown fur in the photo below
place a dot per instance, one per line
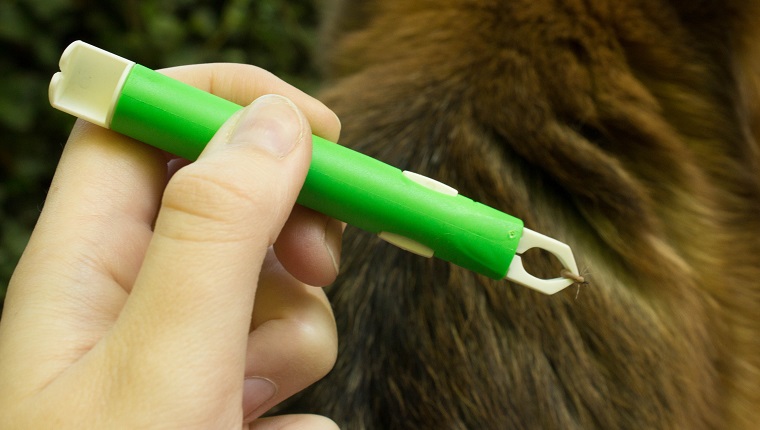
(623, 128)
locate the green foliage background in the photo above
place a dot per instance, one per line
(277, 35)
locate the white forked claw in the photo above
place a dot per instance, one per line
(531, 239)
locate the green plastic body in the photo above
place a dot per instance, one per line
(341, 183)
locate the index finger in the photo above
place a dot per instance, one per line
(236, 83)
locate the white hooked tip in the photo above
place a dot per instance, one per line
(89, 83)
(530, 239)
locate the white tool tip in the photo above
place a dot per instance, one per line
(89, 82)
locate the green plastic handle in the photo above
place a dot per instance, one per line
(341, 183)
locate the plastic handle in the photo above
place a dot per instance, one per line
(341, 183)
(376, 197)
(169, 114)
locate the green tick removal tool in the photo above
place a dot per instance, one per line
(409, 210)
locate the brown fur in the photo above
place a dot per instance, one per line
(623, 128)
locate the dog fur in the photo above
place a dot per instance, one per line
(626, 129)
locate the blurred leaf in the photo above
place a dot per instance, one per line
(165, 30)
(235, 15)
(203, 22)
(47, 10)
(18, 100)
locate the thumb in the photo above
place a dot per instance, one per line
(193, 297)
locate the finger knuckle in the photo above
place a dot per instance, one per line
(317, 345)
(201, 199)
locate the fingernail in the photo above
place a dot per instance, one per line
(256, 392)
(272, 123)
(333, 241)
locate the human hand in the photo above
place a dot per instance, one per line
(133, 304)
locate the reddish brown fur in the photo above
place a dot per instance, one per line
(623, 128)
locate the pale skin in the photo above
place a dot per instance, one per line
(159, 295)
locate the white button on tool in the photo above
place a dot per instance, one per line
(407, 244)
(431, 183)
